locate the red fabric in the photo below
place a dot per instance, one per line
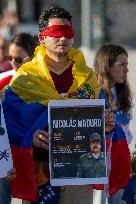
(58, 31)
(60, 81)
(120, 167)
(5, 81)
(24, 186)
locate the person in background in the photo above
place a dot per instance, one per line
(4, 63)
(57, 71)
(129, 194)
(5, 193)
(9, 24)
(21, 50)
(111, 67)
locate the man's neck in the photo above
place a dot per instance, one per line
(57, 63)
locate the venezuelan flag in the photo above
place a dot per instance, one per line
(5, 81)
(22, 120)
(25, 108)
(120, 161)
(118, 156)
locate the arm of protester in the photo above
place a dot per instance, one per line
(109, 120)
(41, 139)
(11, 175)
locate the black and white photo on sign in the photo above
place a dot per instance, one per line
(6, 162)
(77, 153)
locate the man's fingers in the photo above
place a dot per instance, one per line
(40, 139)
(43, 138)
(42, 132)
(11, 175)
(11, 172)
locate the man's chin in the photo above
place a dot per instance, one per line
(63, 49)
(61, 53)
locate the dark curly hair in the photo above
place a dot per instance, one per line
(26, 41)
(51, 13)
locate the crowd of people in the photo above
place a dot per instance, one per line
(9, 24)
(51, 69)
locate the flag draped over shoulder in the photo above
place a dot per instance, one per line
(25, 108)
(120, 161)
(118, 157)
(5, 81)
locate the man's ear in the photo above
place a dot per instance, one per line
(41, 39)
(72, 41)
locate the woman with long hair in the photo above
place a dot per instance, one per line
(111, 67)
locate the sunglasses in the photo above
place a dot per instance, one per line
(17, 59)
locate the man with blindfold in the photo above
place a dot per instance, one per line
(57, 71)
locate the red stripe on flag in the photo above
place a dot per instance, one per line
(24, 186)
(5, 81)
(120, 167)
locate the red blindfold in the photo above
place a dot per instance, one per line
(58, 31)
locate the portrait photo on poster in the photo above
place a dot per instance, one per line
(77, 154)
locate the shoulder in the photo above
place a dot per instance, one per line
(92, 78)
(102, 155)
(85, 156)
(93, 84)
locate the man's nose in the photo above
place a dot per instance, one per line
(126, 69)
(14, 64)
(13, 61)
(63, 38)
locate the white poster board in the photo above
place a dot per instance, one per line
(71, 126)
(6, 162)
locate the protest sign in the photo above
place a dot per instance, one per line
(5, 153)
(72, 125)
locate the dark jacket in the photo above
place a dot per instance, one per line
(91, 167)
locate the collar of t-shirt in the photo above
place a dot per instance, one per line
(63, 81)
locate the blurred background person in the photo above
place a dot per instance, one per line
(21, 50)
(5, 194)
(9, 24)
(111, 67)
(4, 62)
